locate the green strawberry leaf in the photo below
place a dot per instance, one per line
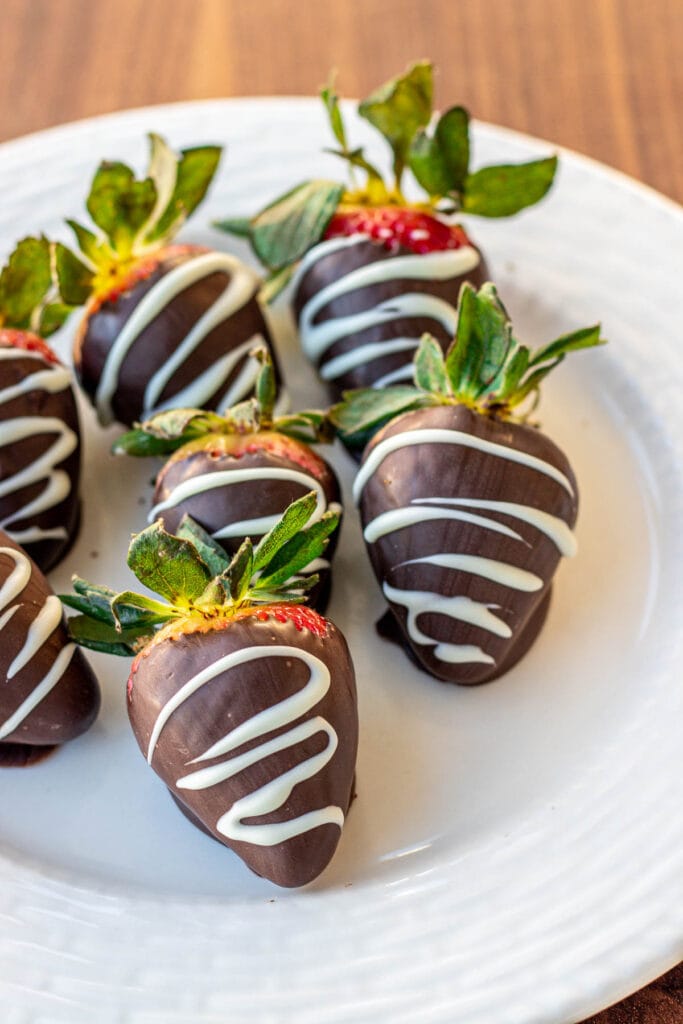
(356, 158)
(265, 388)
(135, 611)
(430, 367)
(428, 166)
(93, 248)
(74, 277)
(92, 600)
(194, 172)
(299, 552)
(531, 383)
(586, 337)
(545, 359)
(310, 426)
(120, 205)
(440, 161)
(293, 520)
(193, 573)
(240, 571)
(140, 443)
(167, 431)
(290, 226)
(400, 108)
(210, 551)
(513, 371)
(453, 137)
(52, 317)
(485, 368)
(238, 226)
(372, 407)
(482, 342)
(100, 636)
(25, 282)
(504, 190)
(170, 566)
(331, 103)
(215, 594)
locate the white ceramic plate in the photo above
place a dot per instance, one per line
(515, 854)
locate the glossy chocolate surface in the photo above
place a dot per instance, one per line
(157, 342)
(449, 471)
(72, 703)
(235, 697)
(45, 533)
(216, 507)
(336, 265)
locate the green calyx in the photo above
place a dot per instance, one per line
(436, 152)
(167, 431)
(485, 368)
(134, 216)
(198, 581)
(30, 297)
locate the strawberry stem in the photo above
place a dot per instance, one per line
(485, 368)
(197, 580)
(167, 431)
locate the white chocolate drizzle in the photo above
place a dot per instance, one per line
(225, 478)
(274, 794)
(318, 337)
(461, 607)
(57, 487)
(241, 287)
(437, 435)
(39, 631)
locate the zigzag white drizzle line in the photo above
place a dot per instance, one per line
(460, 607)
(275, 793)
(225, 478)
(340, 365)
(58, 484)
(51, 379)
(552, 526)
(316, 338)
(42, 627)
(202, 387)
(242, 285)
(418, 602)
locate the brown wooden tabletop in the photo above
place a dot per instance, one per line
(604, 77)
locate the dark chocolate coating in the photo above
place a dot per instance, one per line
(231, 503)
(446, 471)
(335, 265)
(70, 707)
(157, 342)
(232, 698)
(16, 456)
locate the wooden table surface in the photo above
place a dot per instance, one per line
(604, 77)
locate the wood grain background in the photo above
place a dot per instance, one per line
(604, 77)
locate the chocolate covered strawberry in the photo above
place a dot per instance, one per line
(466, 507)
(236, 474)
(375, 269)
(39, 428)
(165, 324)
(242, 700)
(48, 693)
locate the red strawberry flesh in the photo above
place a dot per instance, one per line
(28, 341)
(398, 226)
